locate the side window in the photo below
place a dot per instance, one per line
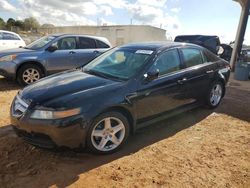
(192, 57)
(86, 43)
(205, 57)
(10, 36)
(210, 56)
(68, 43)
(167, 62)
(101, 44)
(1, 35)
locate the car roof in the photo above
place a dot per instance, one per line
(8, 32)
(103, 39)
(202, 38)
(155, 46)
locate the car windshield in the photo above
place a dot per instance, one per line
(40, 42)
(118, 63)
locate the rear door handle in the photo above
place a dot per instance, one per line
(209, 71)
(72, 52)
(96, 52)
(182, 81)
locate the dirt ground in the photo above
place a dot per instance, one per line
(200, 148)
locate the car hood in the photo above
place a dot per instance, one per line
(15, 51)
(62, 84)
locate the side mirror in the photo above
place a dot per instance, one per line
(152, 75)
(52, 48)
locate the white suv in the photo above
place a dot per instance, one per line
(10, 40)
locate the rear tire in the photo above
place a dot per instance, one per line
(215, 94)
(108, 133)
(28, 74)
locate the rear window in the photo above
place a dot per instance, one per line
(192, 57)
(86, 43)
(100, 44)
(209, 56)
(9, 36)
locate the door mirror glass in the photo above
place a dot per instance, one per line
(52, 48)
(152, 75)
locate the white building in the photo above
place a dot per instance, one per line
(117, 34)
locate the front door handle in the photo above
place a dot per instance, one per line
(72, 52)
(182, 81)
(209, 71)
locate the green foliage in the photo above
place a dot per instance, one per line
(20, 24)
(25, 25)
(10, 22)
(2, 24)
(31, 23)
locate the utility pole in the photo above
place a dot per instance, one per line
(245, 6)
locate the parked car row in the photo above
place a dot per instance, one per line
(100, 104)
(49, 55)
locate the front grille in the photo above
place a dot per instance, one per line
(19, 107)
(36, 139)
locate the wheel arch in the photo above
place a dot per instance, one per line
(31, 62)
(221, 78)
(126, 113)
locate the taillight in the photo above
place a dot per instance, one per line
(228, 66)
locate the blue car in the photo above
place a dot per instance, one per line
(49, 55)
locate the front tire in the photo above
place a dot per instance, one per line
(108, 133)
(215, 94)
(28, 74)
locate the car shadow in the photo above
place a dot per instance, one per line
(236, 103)
(63, 168)
(8, 84)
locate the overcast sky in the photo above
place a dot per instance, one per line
(213, 17)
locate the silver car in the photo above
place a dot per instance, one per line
(50, 54)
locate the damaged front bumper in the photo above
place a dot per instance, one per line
(67, 132)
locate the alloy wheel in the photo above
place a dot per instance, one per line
(30, 75)
(108, 134)
(216, 94)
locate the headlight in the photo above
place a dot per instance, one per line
(8, 58)
(46, 114)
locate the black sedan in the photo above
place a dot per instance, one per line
(124, 89)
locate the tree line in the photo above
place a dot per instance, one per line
(28, 24)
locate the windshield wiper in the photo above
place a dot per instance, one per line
(108, 76)
(116, 77)
(96, 73)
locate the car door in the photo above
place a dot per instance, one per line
(165, 93)
(87, 50)
(6, 41)
(200, 72)
(64, 58)
(11, 40)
